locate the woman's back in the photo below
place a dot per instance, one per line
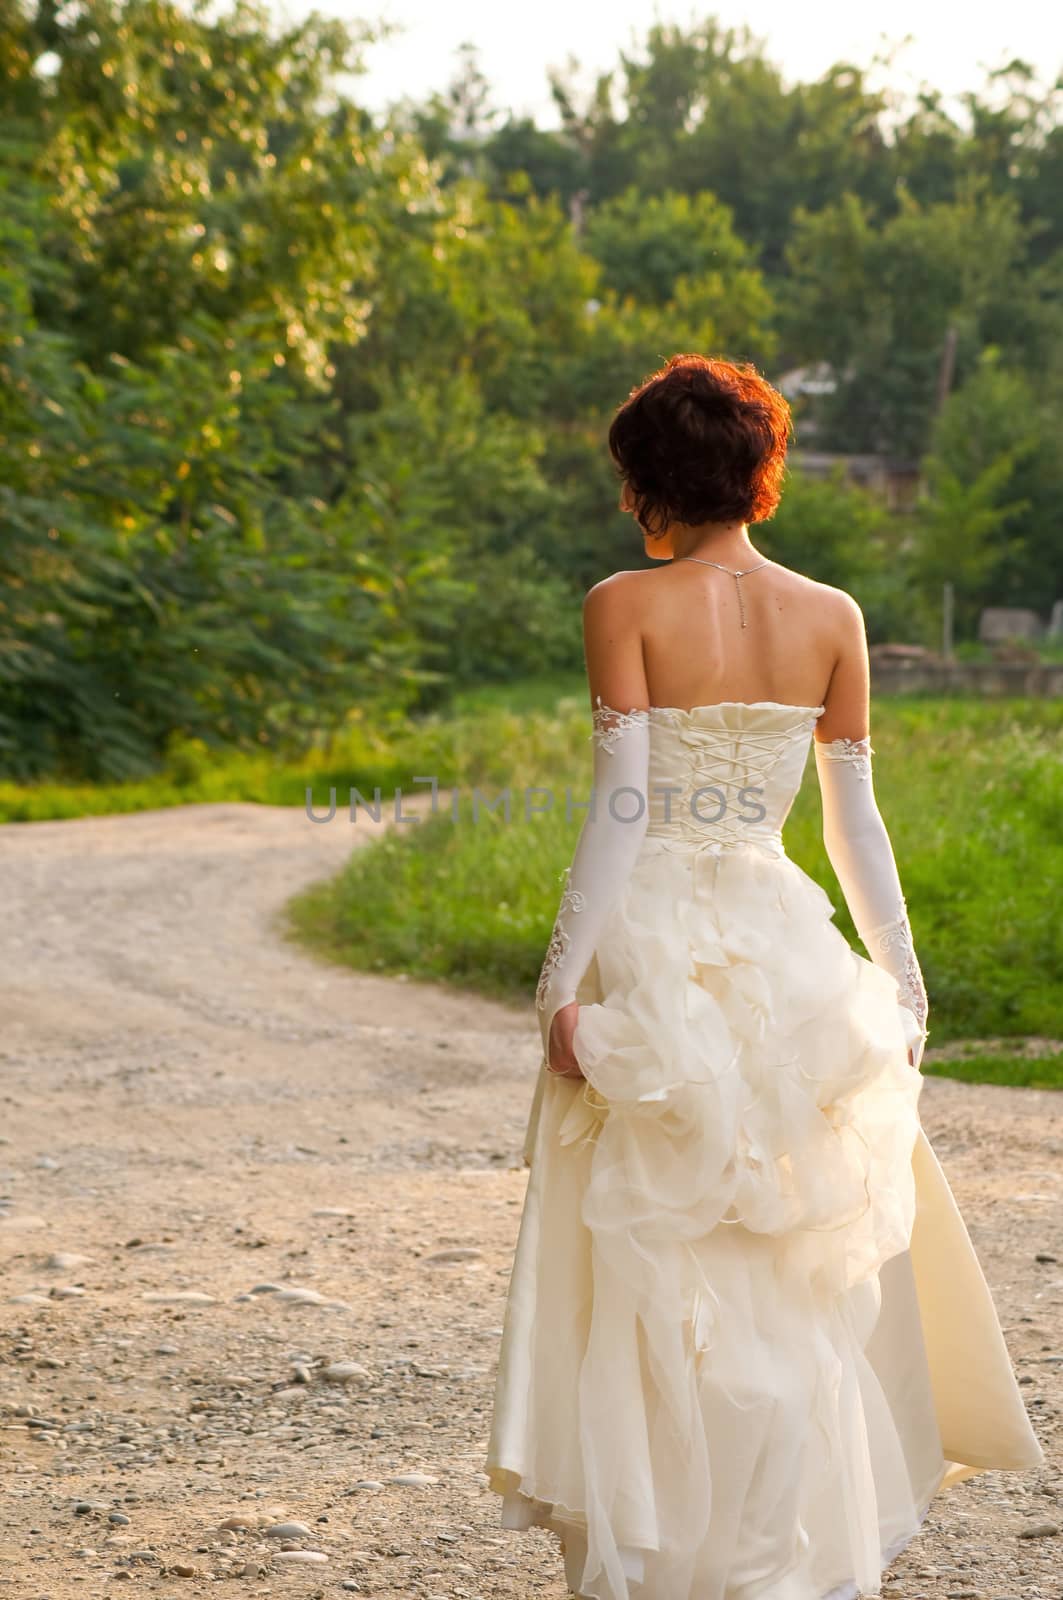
(803, 642)
(697, 653)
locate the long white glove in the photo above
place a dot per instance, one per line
(860, 852)
(612, 833)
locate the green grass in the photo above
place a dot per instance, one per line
(468, 743)
(972, 793)
(1022, 1072)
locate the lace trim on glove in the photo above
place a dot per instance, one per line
(571, 900)
(898, 935)
(856, 751)
(610, 725)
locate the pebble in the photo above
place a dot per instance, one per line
(416, 1480)
(66, 1260)
(67, 1291)
(1040, 1530)
(119, 1518)
(237, 1523)
(309, 1297)
(369, 1483)
(288, 1530)
(343, 1372)
(31, 1299)
(181, 1569)
(180, 1297)
(331, 1211)
(167, 1350)
(307, 1556)
(442, 1257)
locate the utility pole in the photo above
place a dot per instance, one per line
(946, 373)
(947, 369)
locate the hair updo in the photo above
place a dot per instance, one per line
(701, 441)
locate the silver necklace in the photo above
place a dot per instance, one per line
(735, 575)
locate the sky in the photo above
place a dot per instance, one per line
(949, 46)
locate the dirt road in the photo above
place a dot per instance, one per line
(256, 1220)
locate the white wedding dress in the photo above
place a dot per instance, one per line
(746, 1337)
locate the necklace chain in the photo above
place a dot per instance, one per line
(735, 575)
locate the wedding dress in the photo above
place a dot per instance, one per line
(746, 1337)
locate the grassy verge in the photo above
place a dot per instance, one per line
(1020, 1071)
(972, 794)
(466, 744)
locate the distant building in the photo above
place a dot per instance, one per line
(1008, 622)
(898, 482)
(814, 379)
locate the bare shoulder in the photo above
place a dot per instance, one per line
(621, 593)
(839, 607)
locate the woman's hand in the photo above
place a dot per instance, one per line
(562, 1059)
(914, 1035)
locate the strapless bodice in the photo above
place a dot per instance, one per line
(726, 775)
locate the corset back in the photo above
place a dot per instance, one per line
(725, 776)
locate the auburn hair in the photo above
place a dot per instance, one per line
(701, 440)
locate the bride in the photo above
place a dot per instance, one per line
(746, 1338)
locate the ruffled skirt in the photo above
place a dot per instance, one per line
(713, 1383)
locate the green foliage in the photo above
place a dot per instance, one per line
(153, 578)
(995, 477)
(646, 243)
(702, 109)
(840, 534)
(470, 743)
(303, 411)
(876, 302)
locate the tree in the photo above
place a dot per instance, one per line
(646, 242)
(967, 522)
(180, 148)
(876, 300)
(702, 108)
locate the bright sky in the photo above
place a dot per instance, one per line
(950, 44)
